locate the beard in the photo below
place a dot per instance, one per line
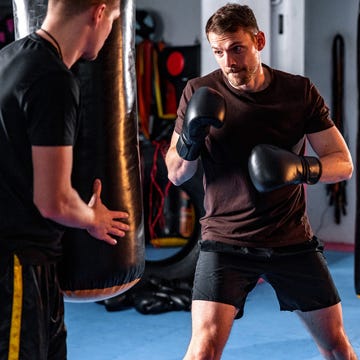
(241, 77)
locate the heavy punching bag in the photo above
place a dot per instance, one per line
(107, 148)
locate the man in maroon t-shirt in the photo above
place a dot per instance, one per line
(249, 125)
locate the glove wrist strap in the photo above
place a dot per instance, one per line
(314, 170)
(186, 151)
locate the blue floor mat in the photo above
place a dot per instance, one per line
(263, 333)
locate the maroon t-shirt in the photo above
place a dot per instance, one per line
(282, 114)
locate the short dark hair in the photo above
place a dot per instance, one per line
(74, 7)
(229, 18)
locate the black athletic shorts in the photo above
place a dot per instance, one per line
(31, 312)
(298, 274)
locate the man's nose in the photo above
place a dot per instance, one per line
(229, 60)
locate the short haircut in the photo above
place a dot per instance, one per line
(75, 7)
(229, 18)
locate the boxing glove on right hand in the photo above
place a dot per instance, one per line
(271, 168)
(205, 108)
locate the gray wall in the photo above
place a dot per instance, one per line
(180, 19)
(324, 19)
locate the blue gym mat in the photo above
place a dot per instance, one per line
(263, 333)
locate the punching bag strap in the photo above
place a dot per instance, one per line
(337, 191)
(338, 81)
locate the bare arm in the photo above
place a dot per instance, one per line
(179, 170)
(333, 153)
(57, 200)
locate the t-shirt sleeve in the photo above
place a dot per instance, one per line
(318, 118)
(52, 107)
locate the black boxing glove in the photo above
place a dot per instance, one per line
(205, 108)
(271, 168)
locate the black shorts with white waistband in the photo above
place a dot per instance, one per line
(299, 275)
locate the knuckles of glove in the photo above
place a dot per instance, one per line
(206, 108)
(271, 168)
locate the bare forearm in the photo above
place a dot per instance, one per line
(333, 153)
(179, 170)
(335, 168)
(57, 200)
(66, 209)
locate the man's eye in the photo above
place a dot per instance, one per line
(238, 49)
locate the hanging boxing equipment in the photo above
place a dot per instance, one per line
(337, 191)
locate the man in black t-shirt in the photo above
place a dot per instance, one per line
(39, 111)
(249, 125)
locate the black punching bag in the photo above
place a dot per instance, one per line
(107, 148)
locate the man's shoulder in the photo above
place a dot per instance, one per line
(281, 75)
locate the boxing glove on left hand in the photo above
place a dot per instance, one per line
(205, 108)
(271, 168)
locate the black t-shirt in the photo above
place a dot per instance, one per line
(282, 114)
(39, 105)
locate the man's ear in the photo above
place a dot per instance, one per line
(98, 12)
(260, 40)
